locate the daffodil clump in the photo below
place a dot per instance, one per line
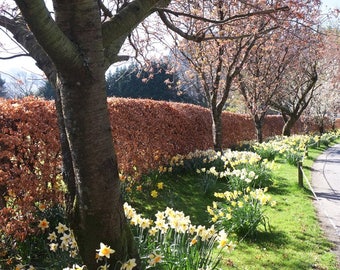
(293, 148)
(210, 158)
(240, 212)
(172, 242)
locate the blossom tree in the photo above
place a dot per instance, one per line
(300, 79)
(219, 52)
(325, 105)
(260, 78)
(74, 46)
(263, 75)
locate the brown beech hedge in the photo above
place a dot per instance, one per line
(146, 134)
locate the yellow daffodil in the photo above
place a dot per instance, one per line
(160, 185)
(154, 194)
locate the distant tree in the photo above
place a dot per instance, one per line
(46, 91)
(325, 106)
(2, 88)
(154, 82)
(299, 82)
(217, 61)
(22, 85)
(260, 79)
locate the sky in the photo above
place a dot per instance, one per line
(27, 64)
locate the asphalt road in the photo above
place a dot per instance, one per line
(326, 186)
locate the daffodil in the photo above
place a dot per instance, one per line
(129, 265)
(53, 247)
(43, 224)
(154, 194)
(105, 251)
(193, 241)
(160, 185)
(42, 207)
(154, 258)
(19, 267)
(61, 228)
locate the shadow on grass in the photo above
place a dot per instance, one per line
(266, 239)
(281, 186)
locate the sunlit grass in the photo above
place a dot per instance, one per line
(295, 240)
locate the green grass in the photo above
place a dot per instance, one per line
(295, 240)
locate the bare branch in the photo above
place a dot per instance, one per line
(106, 11)
(14, 56)
(201, 34)
(227, 20)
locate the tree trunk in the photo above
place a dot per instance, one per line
(289, 123)
(217, 130)
(258, 125)
(96, 209)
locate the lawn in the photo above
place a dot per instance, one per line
(294, 241)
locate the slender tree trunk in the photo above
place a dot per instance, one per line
(217, 130)
(258, 125)
(289, 123)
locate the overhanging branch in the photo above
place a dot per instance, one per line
(14, 56)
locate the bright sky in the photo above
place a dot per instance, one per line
(27, 64)
(331, 3)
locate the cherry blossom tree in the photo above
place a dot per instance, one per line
(217, 53)
(325, 106)
(261, 77)
(300, 81)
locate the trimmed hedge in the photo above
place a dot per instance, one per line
(146, 134)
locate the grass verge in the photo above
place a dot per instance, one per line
(295, 240)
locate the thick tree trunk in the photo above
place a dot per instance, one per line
(217, 130)
(95, 211)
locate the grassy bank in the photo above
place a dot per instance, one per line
(294, 241)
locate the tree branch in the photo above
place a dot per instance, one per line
(106, 11)
(14, 56)
(227, 20)
(200, 35)
(50, 37)
(116, 30)
(23, 36)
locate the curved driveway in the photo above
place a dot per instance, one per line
(326, 185)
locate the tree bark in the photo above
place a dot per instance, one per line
(289, 123)
(217, 130)
(96, 213)
(258, 125)
(94, 203)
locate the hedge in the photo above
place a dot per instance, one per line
(146, 134)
